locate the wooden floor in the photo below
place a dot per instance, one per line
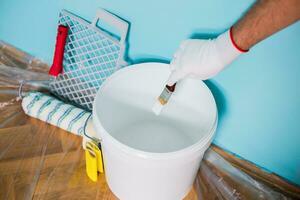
(40, 161)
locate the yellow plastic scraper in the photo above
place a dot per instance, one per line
(93, 159)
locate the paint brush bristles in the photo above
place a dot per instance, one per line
(163, 99)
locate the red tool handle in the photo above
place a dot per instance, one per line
(61, 38)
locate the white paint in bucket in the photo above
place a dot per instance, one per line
(147, 156)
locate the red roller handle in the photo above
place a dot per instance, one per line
(56, 68)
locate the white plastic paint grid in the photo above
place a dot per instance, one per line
(90, 56)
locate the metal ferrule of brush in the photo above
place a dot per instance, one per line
(166, 94)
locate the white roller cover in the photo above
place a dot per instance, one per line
(57, 113)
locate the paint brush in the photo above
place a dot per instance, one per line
(163, 98)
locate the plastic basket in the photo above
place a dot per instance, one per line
(91, 55)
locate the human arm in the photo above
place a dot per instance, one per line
(265, 18)
(204, 59)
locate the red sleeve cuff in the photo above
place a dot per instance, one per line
(234, 44)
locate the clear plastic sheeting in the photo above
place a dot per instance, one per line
(13, 57)
(41, 161)
(218, 179)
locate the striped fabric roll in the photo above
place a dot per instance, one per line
(55, 112)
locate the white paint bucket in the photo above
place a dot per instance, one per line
(149, 157)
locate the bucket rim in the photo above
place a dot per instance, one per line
(147, 154)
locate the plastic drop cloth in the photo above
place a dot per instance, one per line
(40, 161)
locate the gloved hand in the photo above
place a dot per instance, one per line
(203, 59)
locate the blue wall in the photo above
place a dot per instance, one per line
(258, 96)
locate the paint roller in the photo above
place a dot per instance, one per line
(60, 114)
(48, 108)
(69, 118)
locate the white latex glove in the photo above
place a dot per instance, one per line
(203, 59)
